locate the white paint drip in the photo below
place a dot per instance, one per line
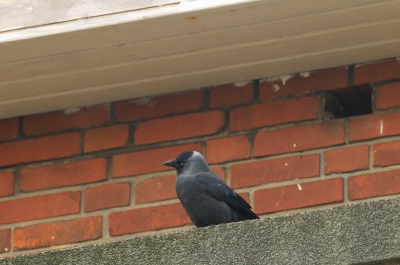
(381, 130)
(285, 78)
(241, 84)
(144, 101)
(294, 145)
(6, 249)
(305, 74)
(276, 88)
(285, 164)
(298, 186)
(70, 111)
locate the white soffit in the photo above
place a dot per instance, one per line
(65, 54)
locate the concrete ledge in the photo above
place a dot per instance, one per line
(360, 233)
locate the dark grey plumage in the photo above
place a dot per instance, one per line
(204, 195)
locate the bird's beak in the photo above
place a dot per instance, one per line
(171, 163)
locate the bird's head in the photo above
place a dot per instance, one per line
(189, 161)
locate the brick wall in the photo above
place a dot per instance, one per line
(90, 175)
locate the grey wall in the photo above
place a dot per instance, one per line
(361, 233)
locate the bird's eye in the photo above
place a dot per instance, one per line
(182, 164)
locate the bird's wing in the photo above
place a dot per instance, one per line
(218, 189)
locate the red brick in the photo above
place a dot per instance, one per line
(9, 129)
(40, 207)
(63, 175)
(39, 149)
(58, 233)
(299, 138)
(298, 196)
(106, 138)
(5, 240)
(374, 126)
(273, 113)
(387, 154)
(276, 170)
(347, 159)
(7, 184)
(228, 149)
(67, 119)
(179, 127)
(328, 79)
(388, 96)
(229, 95)
(162, 188)
(156, 189)
(374, 185)
(151, 107)
(376, 71)
(107, 196)
(147, 219)
(149, 160)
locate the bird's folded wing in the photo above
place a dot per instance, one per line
(216, 188)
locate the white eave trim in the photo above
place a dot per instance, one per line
(173, 46)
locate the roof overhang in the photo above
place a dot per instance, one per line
(58, 55)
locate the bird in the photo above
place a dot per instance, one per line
(206, 198)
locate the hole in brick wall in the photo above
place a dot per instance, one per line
(349, 102)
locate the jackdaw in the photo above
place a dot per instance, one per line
(204, 195)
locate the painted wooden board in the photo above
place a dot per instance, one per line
(204, 59)
(32, 13)
(257, 32)
(167, 49)
(165, 22)
(90, 96)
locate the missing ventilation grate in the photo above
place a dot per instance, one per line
(348, 102)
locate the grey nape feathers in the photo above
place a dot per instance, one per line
(204, 195)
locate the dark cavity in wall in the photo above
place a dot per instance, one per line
(347, 102)
(355, 100)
